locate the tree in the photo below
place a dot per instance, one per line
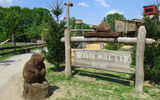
(110, 19)
(57, 8)
(40, 17)
(72, 22)
(11, 22)
(22, 23)
(152, 53)
(2, 15)
(55, 48)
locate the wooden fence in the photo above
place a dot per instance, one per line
(19, 49)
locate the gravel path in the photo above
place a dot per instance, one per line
(11, 67)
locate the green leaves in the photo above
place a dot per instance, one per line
(55, 53)
(55, 48)
(152, 27)
(110, 19)
(152, 52)
(25, 23)
(57, 8)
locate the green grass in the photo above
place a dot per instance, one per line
(92, 84)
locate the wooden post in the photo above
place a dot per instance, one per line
(68, 4)
(42, 38)
(68, 71)
(140, 59)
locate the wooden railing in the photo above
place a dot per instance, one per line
(4, 42)
(19, 49)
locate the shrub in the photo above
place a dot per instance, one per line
(152, 52)
(55, 53)
(113, 46)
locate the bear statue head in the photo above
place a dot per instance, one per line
(37, 58)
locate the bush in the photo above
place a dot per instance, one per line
(55, 53)
(113, 46)
(152, 52)
(152, 63)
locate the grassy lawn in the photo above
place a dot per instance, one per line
(92, 84)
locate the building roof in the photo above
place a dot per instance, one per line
(149, 6)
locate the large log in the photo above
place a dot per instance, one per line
(140, 59)
(101, 34)
(127, 40)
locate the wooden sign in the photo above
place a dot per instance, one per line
(118, 61)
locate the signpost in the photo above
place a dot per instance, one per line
(109, 60)
(68, 71)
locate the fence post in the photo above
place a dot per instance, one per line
(68, 71)
(140, 59)
(2, 50)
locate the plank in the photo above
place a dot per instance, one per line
(118, 61)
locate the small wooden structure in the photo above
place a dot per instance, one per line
(141, 40)
(79, 22)
(127, 26)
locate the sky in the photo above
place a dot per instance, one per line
(90, 11)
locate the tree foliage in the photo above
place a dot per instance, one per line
(57, 8)
(110, 19)
(55, 50)
(23, 22)
(152, 52)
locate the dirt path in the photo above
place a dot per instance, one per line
(10, 75)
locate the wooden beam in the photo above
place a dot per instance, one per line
(140, 59)
(68, 71)
(85, 30)
(127, 40)
(4, 42)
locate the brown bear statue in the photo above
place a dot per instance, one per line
(36, 87)
(34, 70)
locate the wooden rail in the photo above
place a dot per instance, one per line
(4, 42)
(127, 40)
(85, 30)
(18, 49)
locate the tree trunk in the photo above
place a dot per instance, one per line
(14, 42)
